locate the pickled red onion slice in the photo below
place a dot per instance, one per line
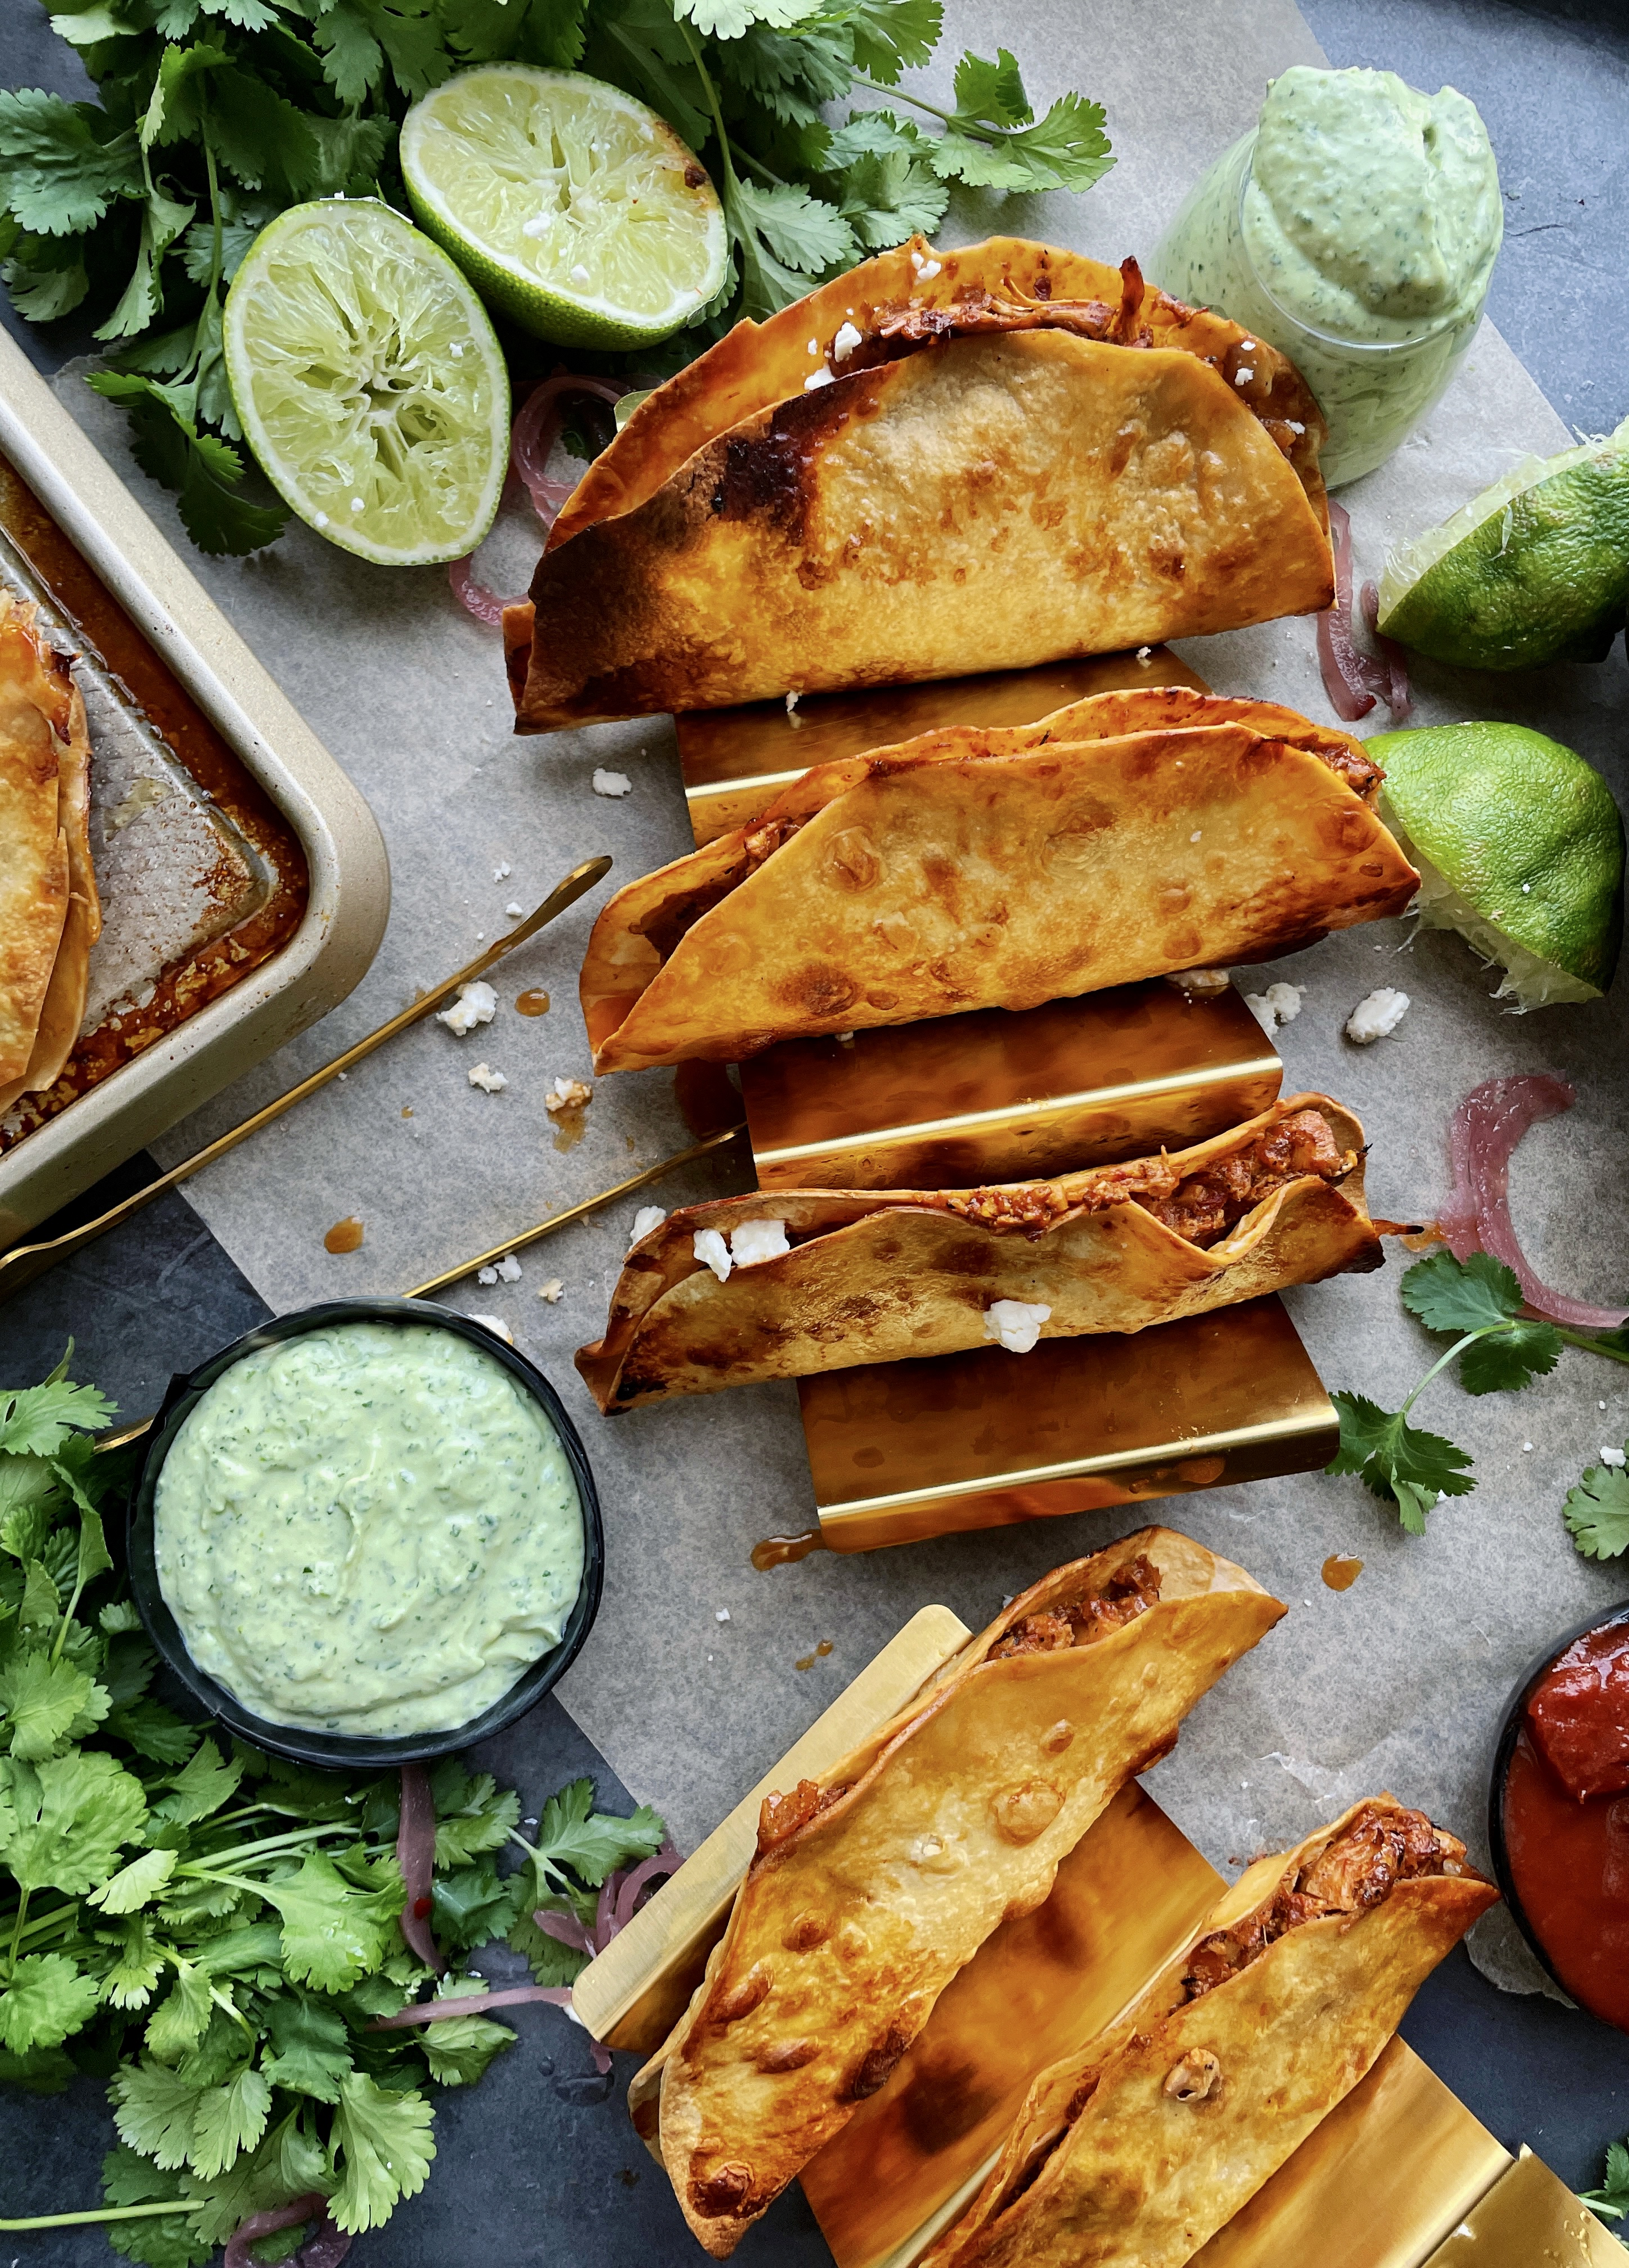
(1351, 679)
(1482, 1134)
(474, 597)
(1397, 692)
(325, 2248)
(415, 1855)
(532, 437)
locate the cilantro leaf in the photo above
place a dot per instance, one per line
(1510, 1358)
(163, 220)
(43, 2071)
(551, 1961)
(46, 1998)
(45, 1702)
(170, 447)
(36, 1420)
(593, 1844)
(783, 236)
(332, 1935)
(165, 2242)
(890, 36)
(136, 1885)
(28, 1487)
(1597, 1512)
(889, 189)
(228, 2120)
(59, 179)
(181, 2018)
(153, 2109)
(1398, 1460)
(459, 2049)
(311, 2046)
(131, 1981)
(382, 2148)
(727, 20)
(46, 277)
(471, 1816)
(471, 1906)
(205, 1785)
(992, 93)
(62, 1821)
(152, 1730)
(1610, 2201)
(1461, 1295)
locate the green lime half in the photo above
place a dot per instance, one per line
(1536, 569)
(567, 203)
(1519, 849)
(369, 382)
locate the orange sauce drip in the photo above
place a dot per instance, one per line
(569, 1129)
(344, 1236)
(782, 1550)
(1341, 1573)
(532, 1004)
(824, 1647)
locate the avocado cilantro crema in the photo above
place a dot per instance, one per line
(370, 1529)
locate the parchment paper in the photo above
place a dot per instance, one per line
(1397, 1682)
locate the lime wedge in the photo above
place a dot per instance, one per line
(369, 382)
(1534, 570)
(569, 205)
(1519, 849)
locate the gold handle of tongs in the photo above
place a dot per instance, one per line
(24, 1262)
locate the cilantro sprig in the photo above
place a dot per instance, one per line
(1596, 1512)
(215, 115)
(1499, 1350)
(212, 1931)
(1610, 2202)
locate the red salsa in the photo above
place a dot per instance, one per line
(1566, 1817)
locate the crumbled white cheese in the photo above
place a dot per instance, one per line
(915, 259)
(579, 274)
(513, 911)
(509, 1269)
(1248, 345)
(722, 1616)
(1294, 426)
(1145, 655)
(815, 379)
(1015, 1324)
(792, 717)
(501, 874)
(1613, 1457)
(611, 782)
(568, 1094)
(551, 1291)
(1243, 374)
(487, 1276)
(1377, 1017)
(489, 1081)
(710, 1249)
(1279, 1004)
(476, 1004)
(756, 1241)
(843, 1039)
(813, 346)
(1526, 1447)
(848, 337)
(645, 1220)
(499, 1328)
(1202, 981)
(929, 269)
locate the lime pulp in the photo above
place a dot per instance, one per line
(369, 382)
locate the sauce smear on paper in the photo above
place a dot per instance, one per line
(782, 1550)
(532, 1004)
(344, 1236)
(1340, 1574)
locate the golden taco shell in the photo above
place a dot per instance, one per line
(36, 856)
(996, 457)
(870, 1891)
(1134, 2151)
(880, 1275)
(998, 867)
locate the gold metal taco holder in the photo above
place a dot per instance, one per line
(902, 1451)
(1400, 2175)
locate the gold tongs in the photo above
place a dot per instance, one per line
(24, 1262)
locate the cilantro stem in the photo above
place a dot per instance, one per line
(17, 1934)
(974, 128)
(702, 73)
(111, 2212)
(1443, 1361)
(1594, 1345)
(270, 1844)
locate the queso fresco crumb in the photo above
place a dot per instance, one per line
(370, 1529)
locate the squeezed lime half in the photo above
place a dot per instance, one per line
(1519, 849)
(570, 206)
(369, 382)
(1534, 570)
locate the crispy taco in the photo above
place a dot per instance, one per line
(785, 1283)
(1126, 836)
(50, 914)
(1132, 2153)
(934, 464)
(870, 1890)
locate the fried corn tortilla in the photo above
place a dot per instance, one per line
(996, 456)
(36, 853)
(1133, 2153)
(1125, 837)
(870, 1891)
(876, 1276)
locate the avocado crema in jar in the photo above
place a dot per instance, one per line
(1355, 227)
(370, 1529)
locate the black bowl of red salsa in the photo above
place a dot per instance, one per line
(1558, 1813)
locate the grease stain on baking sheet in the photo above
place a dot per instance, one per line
(532, 1004)
(782, 1550)
(1339, 1573)
(819, 1654)
(569, 1129)
(344, 1236)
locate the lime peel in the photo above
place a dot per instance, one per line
(369, 382)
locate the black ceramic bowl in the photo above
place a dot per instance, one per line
(340, 1750)
(1509, 1731)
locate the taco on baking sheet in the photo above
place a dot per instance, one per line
(870, 1890)
(981, 459)
(1123, 837)
(1134, 2151)
(785, 1283)
(50, 913)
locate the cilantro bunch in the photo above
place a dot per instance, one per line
(1497, 1348)
(217, 1933)
(1610, 2202)
(216, 115)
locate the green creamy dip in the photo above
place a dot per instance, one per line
(370, 1529)
(1356, 229)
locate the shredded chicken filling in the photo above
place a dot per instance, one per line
(1380, 1848)
(1205, 1206)
(1130, 1591)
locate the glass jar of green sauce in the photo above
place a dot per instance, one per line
(1355, 227)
